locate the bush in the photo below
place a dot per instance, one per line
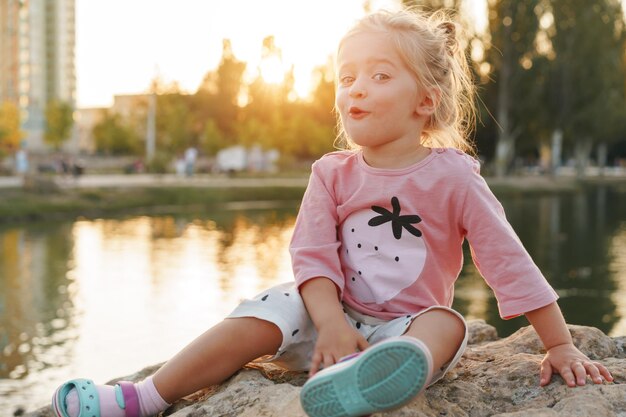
(159, 164)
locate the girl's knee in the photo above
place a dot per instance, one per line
(450, 317)
(263, 333)
(444, 332)
(443, 320)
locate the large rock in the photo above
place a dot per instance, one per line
(496, 377)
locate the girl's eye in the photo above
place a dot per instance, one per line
(380, 76)
(345, 80)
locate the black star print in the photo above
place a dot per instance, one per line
(397, 222)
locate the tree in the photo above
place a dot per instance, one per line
(587, 82)
(323, 95)
(218, 95)
(59, 122)
(321, 111)
(266, 99)
(212, 140)
(115, 136)
(10, 132)
(174, 122)
(513, 91)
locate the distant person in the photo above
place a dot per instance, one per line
(64, 166)
(78, 168)
(179, 165)
(191, 154)
(376, 250)
(138, 166)
(21, 161)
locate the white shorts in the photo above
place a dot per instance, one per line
(283, 306)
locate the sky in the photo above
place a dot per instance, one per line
(122, 45)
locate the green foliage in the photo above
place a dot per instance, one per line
(174, 123)
(588, 72)
(115, 136)
(212, 139)
(554, 65)
(159, 163)
(512, 92)
(213, 118)
(218, 95)
(10, 132)
(305, 138)
(59, 122)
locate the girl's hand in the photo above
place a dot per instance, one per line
(335, 340)
(572, 365)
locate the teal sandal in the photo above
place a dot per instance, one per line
(385, 376)
(89, 403)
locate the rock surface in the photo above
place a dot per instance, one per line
(496, 377)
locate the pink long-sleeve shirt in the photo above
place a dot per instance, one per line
(391, 240)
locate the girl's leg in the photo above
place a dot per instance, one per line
(208, 360)
(441, 331)
(216, 355)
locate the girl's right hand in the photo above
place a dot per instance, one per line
(335, 340)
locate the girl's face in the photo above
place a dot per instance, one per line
(377, 96)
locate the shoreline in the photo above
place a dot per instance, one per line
(58, 198)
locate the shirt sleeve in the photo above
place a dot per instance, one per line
(499, 255)
(315, 244)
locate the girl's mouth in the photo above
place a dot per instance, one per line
(357, 113)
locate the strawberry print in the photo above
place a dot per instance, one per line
(382, 252)
(397, 222)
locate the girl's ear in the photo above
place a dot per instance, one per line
(429, 101)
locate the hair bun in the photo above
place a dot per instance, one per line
(449, 30)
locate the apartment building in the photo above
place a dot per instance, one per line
(37, 50)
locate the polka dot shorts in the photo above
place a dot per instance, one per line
(283, 306)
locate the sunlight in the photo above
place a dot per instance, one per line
(305, 39)
(272, 70)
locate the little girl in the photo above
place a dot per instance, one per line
(376, 249)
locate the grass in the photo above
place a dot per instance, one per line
(23, 205)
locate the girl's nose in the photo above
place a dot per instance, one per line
(357, 90)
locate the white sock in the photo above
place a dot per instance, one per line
(150, 401)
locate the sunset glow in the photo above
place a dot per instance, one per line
(272, 70)
(122, 46)
(182, 40)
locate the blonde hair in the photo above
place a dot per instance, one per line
(429, 46)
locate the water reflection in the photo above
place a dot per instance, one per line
(35, 304)
(617, 268)
(575, 240)
(103, 298)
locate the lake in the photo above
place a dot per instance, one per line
(103, 298)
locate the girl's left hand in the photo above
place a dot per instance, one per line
(572, 365)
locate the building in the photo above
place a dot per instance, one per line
(127, 105)
(132, 108)
(9, 50)
(85, 120)
(37, 43)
